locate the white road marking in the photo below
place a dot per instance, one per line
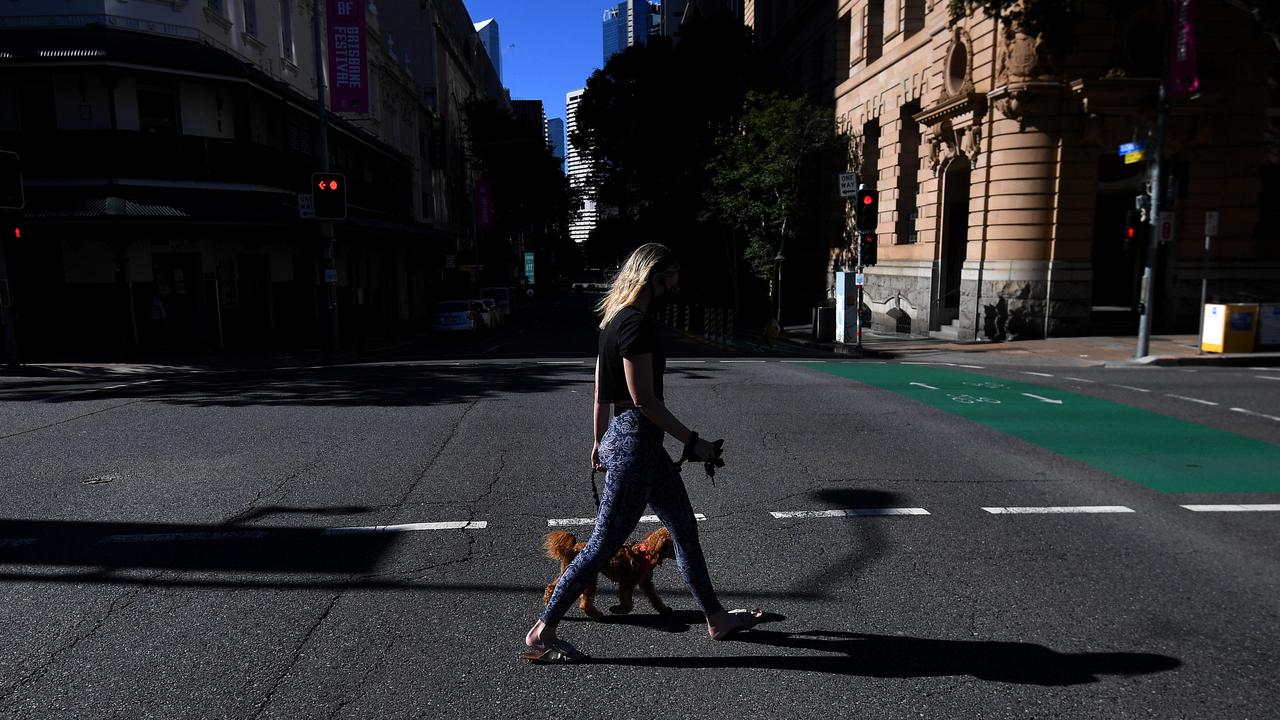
(1091, 509)
(559, 362)
(924, 386)
(410, 527)
(803, 361)
(1043, 399)
(1130, 387)
(1233, 508)
(922, 362)
(495, 347)
(852, 512)
(741, 361)
(560, 522)
(684, 362)
(1028, 372)
(972, 367)
(1258, 414)
(1190, 399)
(1076, 379)
(1268, 377)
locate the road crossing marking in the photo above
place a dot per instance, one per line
(1268, 377)
(202, 536)
(1233, 508)
(559, 362)
(1090, 509)
(972, 367)
(1190, 399)
(1076, 379)
(851, 512)
(562, 522)
(1258, 414)
(1043, 399)
(1130, 387)
(409, 527)
(741, 361)
(1028, 372)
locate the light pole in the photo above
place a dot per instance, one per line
(778, 259)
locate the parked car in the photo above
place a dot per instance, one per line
(495, 312)
(454, 316)
(500, 295)
(590, 281)
(488, 318)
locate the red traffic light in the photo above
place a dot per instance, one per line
(867, 199)
(328, 185)
(17, 233)
(1130, 232)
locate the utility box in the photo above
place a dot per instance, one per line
(1268, 326)
(1230, 328)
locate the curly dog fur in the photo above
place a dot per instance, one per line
(631, 566)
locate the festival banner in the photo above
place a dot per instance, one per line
(1184, 77)
(348, 73)
(484, 204)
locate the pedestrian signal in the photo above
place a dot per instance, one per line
(866, 210)
(868, 250)
(329, 195)
(1131, 221)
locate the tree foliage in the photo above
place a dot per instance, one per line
(756, 177)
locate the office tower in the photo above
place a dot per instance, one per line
(579, 174)
(532, 118)
(555, 138)
(631, 22)
(488, 32)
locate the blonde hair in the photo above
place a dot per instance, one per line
(631, 279)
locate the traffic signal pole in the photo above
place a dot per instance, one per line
(328, 237)
(6, 307)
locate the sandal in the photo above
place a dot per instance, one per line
(748, 619)
(558, 653)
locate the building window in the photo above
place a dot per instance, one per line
(250, 16)
(908, 173)
(874, 32)
(913, 17)
(157, 113)
(216, 6)
(286, 30)
(869, 174)
(844, 31)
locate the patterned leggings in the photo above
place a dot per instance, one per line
(640, 472)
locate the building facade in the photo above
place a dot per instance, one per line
(579, 172)
(167, 149)
(1002, 194)
(631, 22)
(555, 138)
(492, 41)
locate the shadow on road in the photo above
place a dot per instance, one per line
(885, 656)
(866, 544)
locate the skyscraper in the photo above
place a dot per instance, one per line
(579, 174)
(631, 22)
(488, 32)
(555, 138)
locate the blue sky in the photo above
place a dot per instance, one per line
(548, 47)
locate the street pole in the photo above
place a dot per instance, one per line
(1210, 229)
(779, 260)
(6, 307)
(857, 272)
(328, 237)
(1146, 303)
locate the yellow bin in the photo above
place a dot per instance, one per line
(1230, 328)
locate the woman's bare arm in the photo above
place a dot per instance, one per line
(639, 373)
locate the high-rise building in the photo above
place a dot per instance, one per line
(555, 138)
(631, 22)
(579, 174)
(531, 116)
(488, 32)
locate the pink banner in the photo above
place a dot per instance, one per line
(484, 205)
(348, 74)
(1184, 78)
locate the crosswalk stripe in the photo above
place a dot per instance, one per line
(559, 522)
(1058, 510)
(850, 512)
(409, 527)
(1233, 508)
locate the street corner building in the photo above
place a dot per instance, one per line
(1011, 155)
(167, 151)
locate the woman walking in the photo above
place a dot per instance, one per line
(628, 446)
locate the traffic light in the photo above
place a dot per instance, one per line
(866, 210)
(868, 249)
(329, 195)
(10, 181)
(1131, 220)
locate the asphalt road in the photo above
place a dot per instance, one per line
(169, 550)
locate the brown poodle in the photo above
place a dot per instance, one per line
(632, 565)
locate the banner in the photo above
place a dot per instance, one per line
(348, 74)
(1184, 78)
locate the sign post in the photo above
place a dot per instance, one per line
(11, 203)
(1210, 232)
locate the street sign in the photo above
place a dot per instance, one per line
(1133, 157)
(528, 267)
(1211, 223)
(848, 185)
(1132, 147)
(450, 262)
(306, 206)
(859, 280)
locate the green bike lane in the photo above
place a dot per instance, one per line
(1159, 452)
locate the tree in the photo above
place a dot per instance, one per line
(756, 179)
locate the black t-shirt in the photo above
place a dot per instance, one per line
(627, 335)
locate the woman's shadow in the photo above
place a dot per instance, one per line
(887, 656)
